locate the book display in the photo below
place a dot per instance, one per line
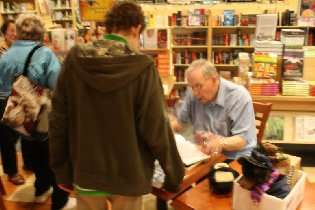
(177, 34)
(10, 9)
(62, 13)
(229, 31)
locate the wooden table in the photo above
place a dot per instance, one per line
(201, 198)
(191, 176)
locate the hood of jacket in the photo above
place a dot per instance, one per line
(108, 65)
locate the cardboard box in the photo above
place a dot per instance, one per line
(242, 199)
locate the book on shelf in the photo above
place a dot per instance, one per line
(186, 57)
(248, 19)
(293, 63)
(162, 38)
(150, 38)
(229, 18)
(226, 75)
(274, 128)
(266, 26)
(58, 40)
(304, 128)
(265, 65)
(292, 38)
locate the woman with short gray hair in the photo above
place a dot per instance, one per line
(43, 69)
(30, 27)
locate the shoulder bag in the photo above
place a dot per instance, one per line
(28, 106)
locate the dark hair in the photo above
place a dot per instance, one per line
(122, 16)
(5, 26)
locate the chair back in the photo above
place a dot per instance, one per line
(262, 111)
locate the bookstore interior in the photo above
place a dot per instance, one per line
(266, 45)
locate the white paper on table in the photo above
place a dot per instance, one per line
(188, 151)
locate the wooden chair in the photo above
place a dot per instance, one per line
(262, 111)
(2, 193)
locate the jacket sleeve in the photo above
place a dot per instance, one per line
(58, 130)
(154, 127)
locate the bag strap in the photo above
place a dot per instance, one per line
(28, 59)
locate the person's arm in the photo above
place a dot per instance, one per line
(243, 129)
(60, 161)
(176, 126)
(211, 143)
(181, 116)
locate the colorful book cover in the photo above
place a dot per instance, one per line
(150, 38)
(162, 38)
(293, 63)
(229, 17)
(226, 75)
(58, 40)
(94, 10)
(274, 128)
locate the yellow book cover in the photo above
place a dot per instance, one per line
(94, 10)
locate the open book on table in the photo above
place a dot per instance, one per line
(188, 151)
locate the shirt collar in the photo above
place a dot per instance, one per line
(24, 43)
(116, 38)
(221, 93)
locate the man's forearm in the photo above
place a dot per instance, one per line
(232, 143)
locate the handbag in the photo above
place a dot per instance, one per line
(28, 106)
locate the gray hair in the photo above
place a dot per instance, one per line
(207, 68)
(30, 27)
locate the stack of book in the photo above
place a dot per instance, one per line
(264, 87)
(269, 47)
(265, 65)
(312, 88)
(163, 63)
(293, 56)
(295, 88)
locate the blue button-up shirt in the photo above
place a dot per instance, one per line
(231, 114)
(43, 69)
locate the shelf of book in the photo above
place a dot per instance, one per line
(231, 66)
(225, 55)
(180, 84)
(288, 103)
(233, 27)
(190, 46)
(289, 142)
(63, 13)
(10, 9)
(232, 47)
(181, 65)
(189, 27)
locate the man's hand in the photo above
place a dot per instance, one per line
(210, 143)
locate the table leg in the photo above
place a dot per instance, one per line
(161, 204)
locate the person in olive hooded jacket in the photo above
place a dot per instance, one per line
(108, 123)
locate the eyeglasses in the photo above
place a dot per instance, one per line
(198, 86)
